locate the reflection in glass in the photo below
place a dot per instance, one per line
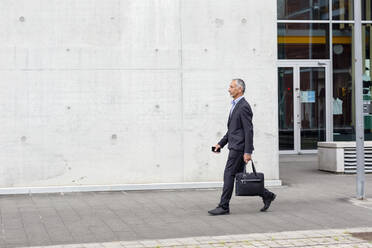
(285, 100)
(366, 10)
(303, 41)
(367, 75)
(313, 112)
(343, 82)
(343, 128)
(303, 10)
(342, 10)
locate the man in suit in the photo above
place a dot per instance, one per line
(239, 136)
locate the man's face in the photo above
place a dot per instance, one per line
(235, 90)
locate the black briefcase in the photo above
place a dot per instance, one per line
(249, 184)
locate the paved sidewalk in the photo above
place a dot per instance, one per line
(311, 239)
(310, 200)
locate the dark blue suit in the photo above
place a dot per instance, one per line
(239, 137)
(239, 134)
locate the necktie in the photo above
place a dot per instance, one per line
(232, 107)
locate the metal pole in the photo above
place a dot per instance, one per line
(359, 118)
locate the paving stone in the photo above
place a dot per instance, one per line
(59, 234)
(112, 245)
(336, 240)
(111, 216)
(134, 246)
(74, 246)
(8, 223)
(150, 243)
(98, 245)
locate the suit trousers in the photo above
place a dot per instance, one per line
(235, 164)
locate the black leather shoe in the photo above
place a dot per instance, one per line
(219, 211)
(267, 203)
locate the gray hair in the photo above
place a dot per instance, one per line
(240, 82)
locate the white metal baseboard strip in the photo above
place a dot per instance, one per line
(121, 187)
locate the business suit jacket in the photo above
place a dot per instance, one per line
(239, 133)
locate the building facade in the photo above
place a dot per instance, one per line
(316, 72)
(131, 94)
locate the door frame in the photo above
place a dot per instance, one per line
(296, 64)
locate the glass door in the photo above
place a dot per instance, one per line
(312, 107)
(285, 109)
(303, 105)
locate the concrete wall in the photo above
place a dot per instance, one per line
(109, 92)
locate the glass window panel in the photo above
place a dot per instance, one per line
(342, 10)
(366, 9)
(285, 104)
(313, 108)
(344, 84)
(343, 128)
(303, 41)
(303, 10)
(367, 75)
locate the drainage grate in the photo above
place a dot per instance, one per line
(350, 160)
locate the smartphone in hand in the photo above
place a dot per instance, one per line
(216, 150)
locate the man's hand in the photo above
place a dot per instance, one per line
(247, 157)
(216, 148)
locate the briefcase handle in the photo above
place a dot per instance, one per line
(253, 168)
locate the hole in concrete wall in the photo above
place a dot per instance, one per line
(68, 107)
(205, 50)
(219, 22)
(244, 20)
(156, 50)
(114, 136)
(206, 105)
(23, 138)
(112, 18)
(21, 19)
(219, 134)
(158, 165)
(157, 106)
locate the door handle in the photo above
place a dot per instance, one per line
(320, 63)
